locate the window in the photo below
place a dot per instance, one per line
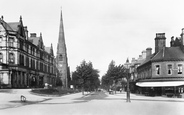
(11, 40)
(1, 57)
(180, 68)
(157, 69)
(60, 57)
(1, 38)
(11, 58)
(169, 69)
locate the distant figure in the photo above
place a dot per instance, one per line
(22, 98)
(120, 90)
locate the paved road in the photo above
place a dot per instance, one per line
(98, 103)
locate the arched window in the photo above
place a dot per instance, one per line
(11, 58)
(1, 57)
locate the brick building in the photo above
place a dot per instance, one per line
(162, 72)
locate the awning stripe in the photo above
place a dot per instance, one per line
(160, 84)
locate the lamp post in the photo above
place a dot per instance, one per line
(128, 88)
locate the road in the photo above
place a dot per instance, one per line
(96, 103)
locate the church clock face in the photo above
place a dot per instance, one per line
(60, 64)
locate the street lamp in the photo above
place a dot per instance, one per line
(128, 88)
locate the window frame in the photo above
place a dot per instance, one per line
(158, 72)
(180, 69)
(171, 69)
(11, 40)
(11, 58)
(1, 59)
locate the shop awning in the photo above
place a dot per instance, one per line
(160, 84)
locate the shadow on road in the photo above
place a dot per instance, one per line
(93, 96)
(20, 103)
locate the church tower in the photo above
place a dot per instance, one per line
(61, 56)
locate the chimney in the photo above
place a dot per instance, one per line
(182, 36)
(26, 32)
(148, 52)
(33, 35)
(144, 54)
(133, 60)
(159, 42)
(172, 42)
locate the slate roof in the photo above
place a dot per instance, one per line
(48, 49)
(6, 25)
(14, 25)
(169, 54)
(166, 54)
(34, 40)
(148, 59)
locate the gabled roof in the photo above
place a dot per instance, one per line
(48, 49)
(169, 54)
(6, 25)
(34, 40)
(37, 41)
(14, 25)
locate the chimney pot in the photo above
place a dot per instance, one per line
(33, 34)
(148, 51)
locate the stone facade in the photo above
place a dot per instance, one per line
(24, 61)
(61, 57)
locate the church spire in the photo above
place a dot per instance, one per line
(61, 57)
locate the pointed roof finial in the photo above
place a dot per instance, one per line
(40, 34)
(20, 18)
(127, 61)
(2, 17)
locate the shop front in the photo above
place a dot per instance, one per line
(162, 88)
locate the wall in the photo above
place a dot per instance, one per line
(164, 69)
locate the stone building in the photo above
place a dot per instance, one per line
(24, 61)
(61, 57)
(162, 72)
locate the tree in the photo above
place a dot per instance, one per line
(86, 77)
(113, 75)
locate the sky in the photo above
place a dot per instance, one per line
(99, 30)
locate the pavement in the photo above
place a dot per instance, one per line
(94, 103)
(138, 97)
(10, 98)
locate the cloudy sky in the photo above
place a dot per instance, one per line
(99, 30)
